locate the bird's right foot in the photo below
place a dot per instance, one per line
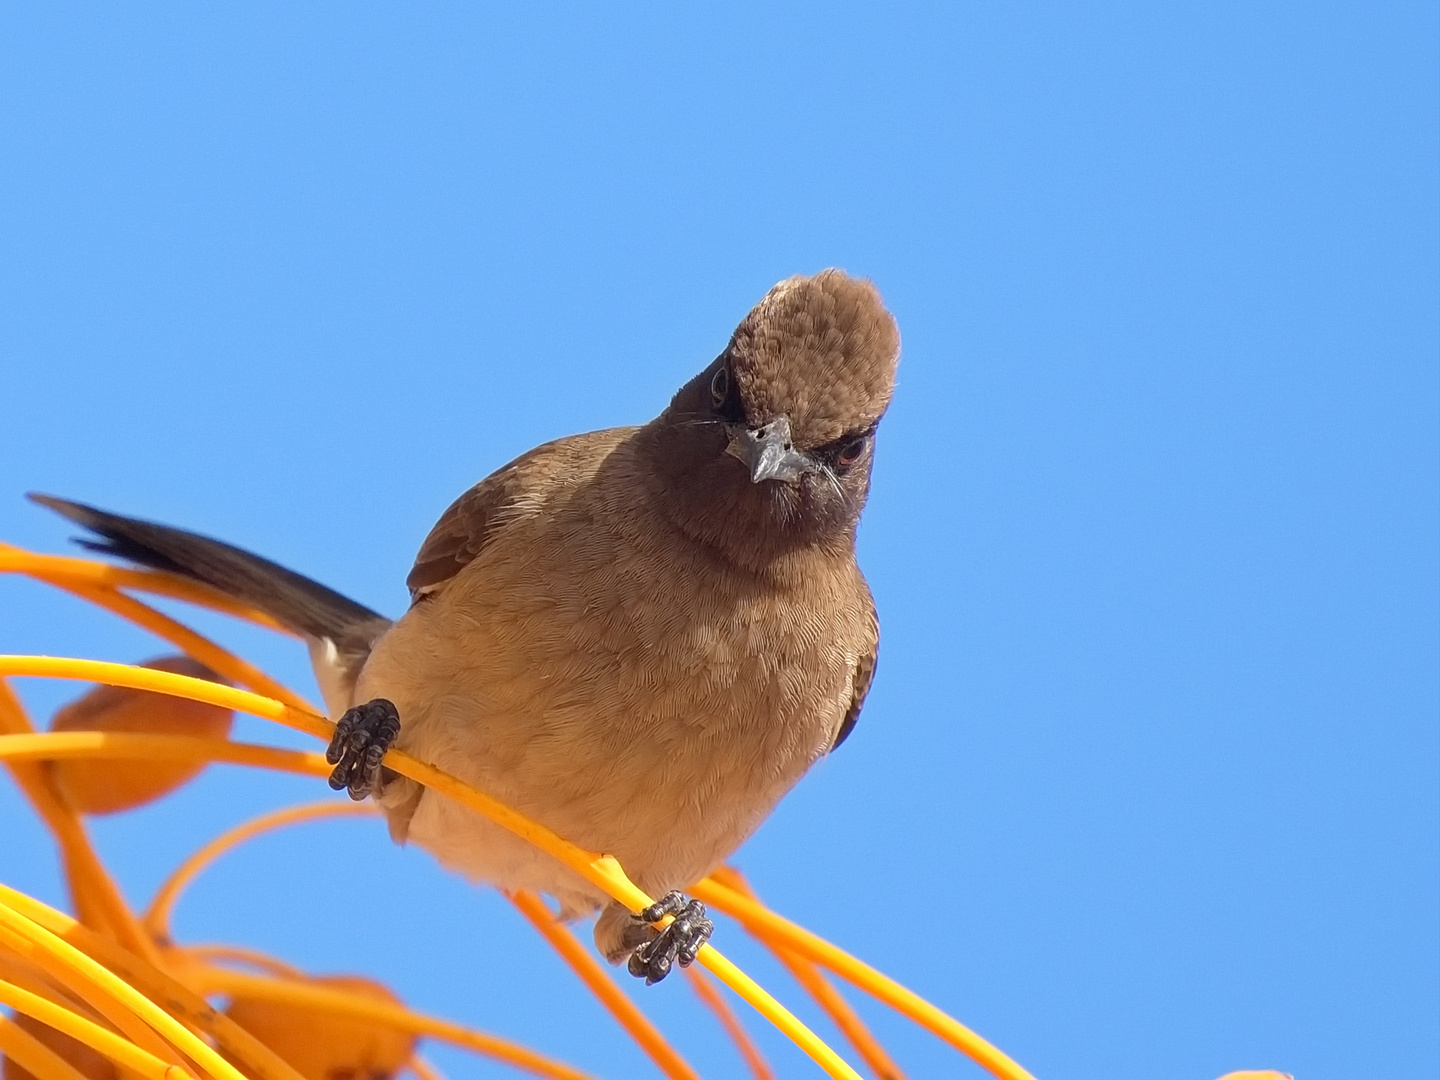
(361, 739)
(680, 941)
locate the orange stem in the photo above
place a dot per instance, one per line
(705, 990)
(94, 892)
(602, 986)
(100, 1039)
(260, 1062)
(213, 656)
(157, 917)
(59, 569)
(602, 870)
(237, 955)
(32, 1055)
(764, 923)
(340, 1002)
(814, 982)
(57, 745)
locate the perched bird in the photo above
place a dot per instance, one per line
(640, 637)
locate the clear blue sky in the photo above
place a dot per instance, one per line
(1153, 746)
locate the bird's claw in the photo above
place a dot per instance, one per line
(361, 739)
(681, 940)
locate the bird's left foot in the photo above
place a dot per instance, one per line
(361, 739)
(681, 940)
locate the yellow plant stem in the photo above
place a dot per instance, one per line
(423, 1069)
(814, 982)
(259, 1060)
(117, 1049)
(765, 924)
(840, 1012)
(96, 895)
(705, 990)
(213, 656)
(340, 1003)
(602, 870)
(55, 745)
(64, 571)
(584, 964)
(157, 918)
(19, 1046)
(165, 1025)
(75, 984)
(154, 747)
(18, 968)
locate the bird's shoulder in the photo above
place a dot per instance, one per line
(515, 490)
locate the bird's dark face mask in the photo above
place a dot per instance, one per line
(754, 483)
(770, 447)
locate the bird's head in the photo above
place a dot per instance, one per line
(770, 447)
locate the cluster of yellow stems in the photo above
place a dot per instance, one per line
(124, 996)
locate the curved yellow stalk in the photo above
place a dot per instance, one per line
(764, 923)
(117, 1049)
(602, 870)
(213, 656)
(584, 964)
(814, 982)
(174, 1032)
(99, 583)
(185, 1004)
(97, 897)
(55, 745)
(308, 996)
(20, 969)
(157, 918)
(706, 992)
(62, 570)
(205, 953)
(95, 884)
(57, 972)
(17, 966)
(32, 1055)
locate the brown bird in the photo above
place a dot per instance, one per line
(640, 637)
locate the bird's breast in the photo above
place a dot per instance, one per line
(612, 680)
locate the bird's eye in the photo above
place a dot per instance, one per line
(851, 451)
(720, 387)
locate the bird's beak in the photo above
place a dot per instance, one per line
(768, 452)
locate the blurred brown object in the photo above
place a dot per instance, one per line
(105, 786)
(90, 1063)
(320, 1045)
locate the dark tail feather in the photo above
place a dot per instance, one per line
(303, 605)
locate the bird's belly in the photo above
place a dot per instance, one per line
(665, 833)
(666, 757)
(477, 848)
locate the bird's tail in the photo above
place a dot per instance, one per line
(307, 607)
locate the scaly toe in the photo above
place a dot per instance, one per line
(361, 739)
(682, 940)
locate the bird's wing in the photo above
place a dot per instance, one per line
(864, 675)
(511, 491)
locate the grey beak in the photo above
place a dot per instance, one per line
(768, 452)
